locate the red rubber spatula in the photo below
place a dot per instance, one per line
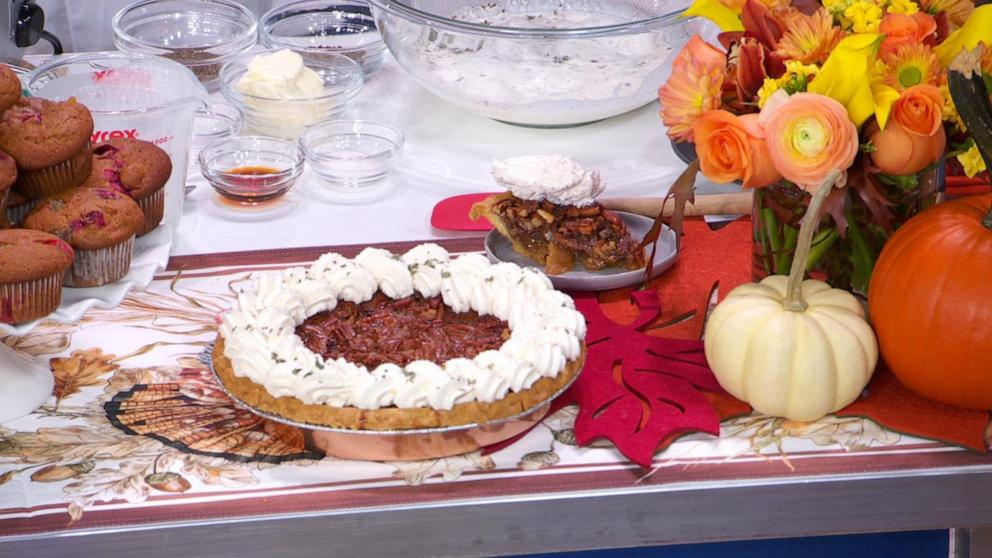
(451, 214)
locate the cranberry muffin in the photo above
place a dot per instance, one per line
(137, 168)
(10, 88)
(99, 224)
(50, 141)
(8, 175)
(32, 266)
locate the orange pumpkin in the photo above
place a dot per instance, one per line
(930, 301)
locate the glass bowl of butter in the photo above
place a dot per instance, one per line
(282, 92)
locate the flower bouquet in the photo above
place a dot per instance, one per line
(798, 88)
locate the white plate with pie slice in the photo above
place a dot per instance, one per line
(500, 249)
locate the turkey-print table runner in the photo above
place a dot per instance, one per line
(138, 432)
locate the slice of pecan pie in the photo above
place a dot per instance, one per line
(551, 216)
(559, 236)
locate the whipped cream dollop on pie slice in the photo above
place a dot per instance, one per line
(551, 216)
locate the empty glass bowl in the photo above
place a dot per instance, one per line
(318, 27)
(217, 121)
(252, 169)
(287, 118)
(200, 34)
(352, 153)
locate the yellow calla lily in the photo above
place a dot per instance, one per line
(885, 97)
(846, 76)
(977, 29)
(725, 18)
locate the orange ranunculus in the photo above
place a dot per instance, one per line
(732, 147)
(919, 110)
(809, 135)
(914, 136)
(694, 87)
(902, 29)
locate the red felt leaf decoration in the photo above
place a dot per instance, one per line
(638, 390)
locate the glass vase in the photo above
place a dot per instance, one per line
(856, 222)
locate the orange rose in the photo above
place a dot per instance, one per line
(809, 135)
(919, 110)
(914, 136)
(733, 148)
(902, 29)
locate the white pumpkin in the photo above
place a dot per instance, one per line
(797, 364)
(792, 348)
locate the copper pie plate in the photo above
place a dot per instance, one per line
(406, 445)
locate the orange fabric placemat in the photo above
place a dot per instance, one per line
(712, 263)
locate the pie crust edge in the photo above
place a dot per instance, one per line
(353, 418)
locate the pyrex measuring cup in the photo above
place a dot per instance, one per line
(131, 95)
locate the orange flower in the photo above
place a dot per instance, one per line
(958, 11)
(914, 136)
(919, 110)
(902, 29)
(809, 135)
(733, 148)
(693, 88)
(898, 152)
(809, 38)
(912, 64)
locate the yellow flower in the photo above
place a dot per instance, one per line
(950, 111)
(972, 161)
(809, 38)
(797, 68)
(864, 16)
(725, 18)
(907, 7)
(768, 87)
(846, 75)
(975, 30)
(911, 64)
(836, 6)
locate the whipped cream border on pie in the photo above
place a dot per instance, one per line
(546, 331)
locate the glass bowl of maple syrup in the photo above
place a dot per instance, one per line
(252, 169)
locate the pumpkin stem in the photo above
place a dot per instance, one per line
(794, 290)
(987, 221)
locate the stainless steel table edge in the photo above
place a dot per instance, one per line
(637, 516)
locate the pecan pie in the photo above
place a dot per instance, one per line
(559, 236)
(389, 342)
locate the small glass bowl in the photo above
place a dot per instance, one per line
(200, 34)
(352, 153)
(287, 118)
(217, 121)
(320, 27)
(252, 169)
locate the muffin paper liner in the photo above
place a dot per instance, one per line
(37, 184)
(93, 268)
(153, 207)
(30, 300)
(17, 213)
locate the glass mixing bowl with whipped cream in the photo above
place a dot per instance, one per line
(546, 63)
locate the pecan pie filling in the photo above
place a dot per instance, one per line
(383, 330)
(591, 235)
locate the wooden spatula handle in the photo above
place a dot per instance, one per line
(712, 204)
